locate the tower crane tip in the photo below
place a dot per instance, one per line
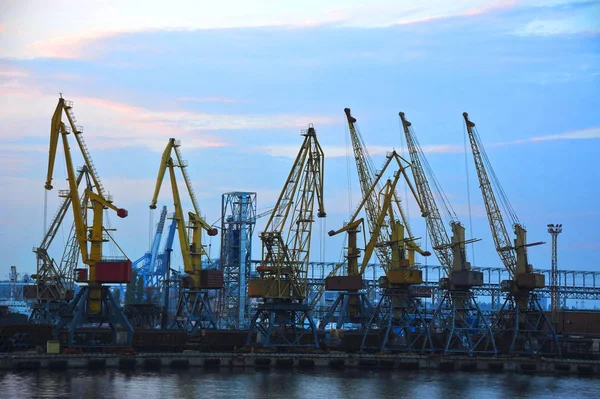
(349, 116)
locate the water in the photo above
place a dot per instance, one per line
(318, 383)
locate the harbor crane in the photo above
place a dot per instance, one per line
(94, 304)
(458, 318)
(397, 316)
(194, 310)
(54, 285)
(521, 326)
(352, 304)
(283, 273)
(147, 266)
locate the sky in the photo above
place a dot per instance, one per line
(237, 81)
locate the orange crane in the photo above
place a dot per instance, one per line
(283, 273)
(194, 309)
(94, 303)
(521, 325)
(458, 322)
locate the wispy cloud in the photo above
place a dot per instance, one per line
(290, 151)
(83, 40)
(470, 10)
(551, 27)
(68, 47)
(120, 125)
(563, 18)
(207, 99)
(12, 73)
(582, 134)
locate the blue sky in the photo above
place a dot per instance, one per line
(236, 83)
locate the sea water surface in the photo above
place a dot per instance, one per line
(275, 383)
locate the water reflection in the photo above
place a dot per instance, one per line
(289, 383)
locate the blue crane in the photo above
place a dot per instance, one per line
(146, 266)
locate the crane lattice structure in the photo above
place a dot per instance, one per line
(352, 305)
(194, 309)
(238, 218)
(398, 320)
(554, 230)
(397, 317)
(521, 325)
(457, 325)
(54, 286)
(94, 304)
(148, 267)
(283, 274)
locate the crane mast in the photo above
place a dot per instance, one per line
(194, 310)
(94, 304)
(283, 273)
(435, 224)
(367, 177)
(521, 319)
(500, 235)
(463, 327)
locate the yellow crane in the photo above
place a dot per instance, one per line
(459, 323)
(194, 310)
(283, 273)
(352, 304)
(54, 282)
(521, 325)
(94, 303)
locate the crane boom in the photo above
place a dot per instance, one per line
(368, 178)
(286, 239)
(192, 249)
(435, 224)
(94, 302)
(499, 233)
(283, 273)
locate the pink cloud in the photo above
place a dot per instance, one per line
(471, 12)
(70, 47)
(111, 124)
(207, 99)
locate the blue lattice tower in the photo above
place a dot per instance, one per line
(238, 217)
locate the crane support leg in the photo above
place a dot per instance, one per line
(194, 312)
(279, 323)
(109, 314)
(47, 312)
(399, 322)
(459, 326)
(522, 327)
(349, 307)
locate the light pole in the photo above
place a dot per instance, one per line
(554, 230)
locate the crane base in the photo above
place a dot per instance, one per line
(194, 312)
(47, 312)
(522, 327)
(111, 315)
(399, 322)
(351, 307)
(279, 323)
(459, 326)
